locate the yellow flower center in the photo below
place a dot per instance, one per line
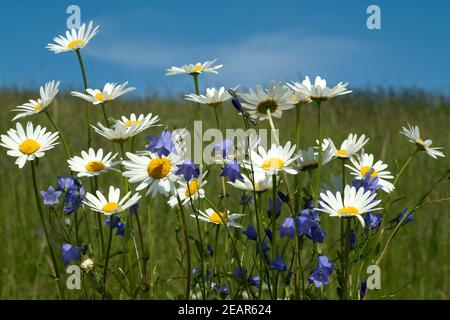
(197, 68)
(349, 210)
(273, 163)
(128, 123)
(37, 107)
(99, 96)
(269, 104)
(158, 168)
(110, 207)
(218, 217)
(364, 170)
(421, 145)
(342, 153)
(76, 44)
(29, 146)
(94, 166)
(192, 188)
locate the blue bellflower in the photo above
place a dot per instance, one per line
(250, 232)
(162, 144)
(224, 147)
(363, 289)
(278, 205)
(408, 219)
(287, 229)
(117, 224)
(278, 264)
(232, 171)
(373, 220)
(134, 209)
(70, 253)
(368, 183)
(188, 170)
(320, 275)
(51, 197)
(307, 225)
(255, 281)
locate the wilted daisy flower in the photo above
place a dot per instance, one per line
(91, 163)
(353, 204)
(29, 144)
(262, 182)
(47, 94)
(413, 133)
(349, 147)
(277, 158)
(87, 264)
(158, 173)
(194, 69)
(364, 164)
(209, 215)
(110, 92)
(191, 190)
(319, 90)
(113, 204)
(213, 97)
(276, 98)
(126, 128)
(74, 39)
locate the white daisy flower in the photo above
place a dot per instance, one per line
(262, 182)
(47, 94)
(213, 97)
(194, 69)
(92, 163)
(353, 204)
(309, 159)
(319, 90)
(299, 98)
(413, 133)
(209, 215)
(277, 158)
(276, 98)
(74, 39)
(349, 147)
(156, 173)
(192, 190)
(112, 205)
(126, 128)
(110, 92)
(365, 163)
(28, 145)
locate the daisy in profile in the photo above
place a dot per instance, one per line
(319, 90)
(74, 39)
(209, 215)
(299, 98)
(352, 204)
(29, 144)
(308, 159)
(276, 159)
(192, 190)
(110, 92)
(349, 147)
(361, 165)
(413, 133)
(126, 128)
(213, 97)
(92, 163)
(194, 69)
(157, 173)
(112, 205)
(276, 99)
(47, 94)
(261, 184)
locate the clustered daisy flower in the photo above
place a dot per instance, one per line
(92, 163)
(211, 216)
(413, 133)
(110, 92)
(195, 69)
(319, 90)
(113, 204)
(213, 97)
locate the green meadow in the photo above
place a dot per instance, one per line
(417, 265)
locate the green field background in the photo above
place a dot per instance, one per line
(417, 266)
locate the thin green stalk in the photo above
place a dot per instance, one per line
(105, 116)
(188, 249)
(274, 233)
(197, 92)
(319, 166)
(297, 143)
(63, 140)
(99, 219)
(108, 250)
(88, 109)
(44, 226)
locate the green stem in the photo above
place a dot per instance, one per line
(88, 111)
(319, 166)
(105, 116)
(99, 219)
(197, 92)
(188, 270)
(63, 140)
(44, 226)
(297, 143)
(274, 233)
(108, 250)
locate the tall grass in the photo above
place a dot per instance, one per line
(417, 265)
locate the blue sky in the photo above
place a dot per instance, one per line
(255, 40)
